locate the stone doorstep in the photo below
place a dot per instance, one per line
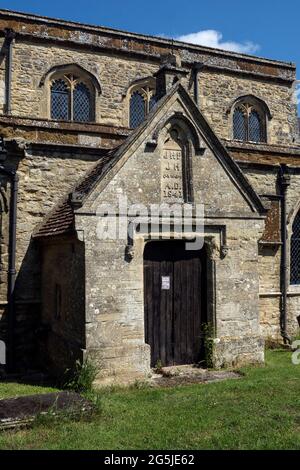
(189, 374)
(183, 370)
(167, 377)
(21, 411)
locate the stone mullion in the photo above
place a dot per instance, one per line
(146, 93)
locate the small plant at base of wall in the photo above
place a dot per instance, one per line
(82, 376)
(158, 367)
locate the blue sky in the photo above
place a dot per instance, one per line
(268, 28)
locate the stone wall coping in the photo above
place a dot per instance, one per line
(247, 73)
(89, 127)
(249, 164)
(34, 147)
(209, 217)
(262, 148)
(15, 17)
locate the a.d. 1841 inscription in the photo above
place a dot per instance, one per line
(171, 175)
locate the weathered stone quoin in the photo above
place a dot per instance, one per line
(77, 294)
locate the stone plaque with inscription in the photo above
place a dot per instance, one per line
(171, 173)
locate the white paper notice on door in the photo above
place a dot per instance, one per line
(165, 282)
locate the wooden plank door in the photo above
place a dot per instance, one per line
(158, 268)
(174, 302)
(188, 311)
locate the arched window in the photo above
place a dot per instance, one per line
(249, 123)
(142, 100)
(295, 251)
(71, 99)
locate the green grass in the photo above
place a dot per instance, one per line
(15, 389)
(259, 411)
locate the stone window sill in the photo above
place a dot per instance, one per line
(294, 289)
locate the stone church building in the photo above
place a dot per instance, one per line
(91, 117)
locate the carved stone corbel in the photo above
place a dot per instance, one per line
(224, 251)
(129, 252)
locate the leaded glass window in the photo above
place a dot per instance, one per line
(249, 124)
(81, 103)
(60, 100)
(71, 99)
(239, 125)
(142, 100)
(295, 251)
(255, 127)
(137, 109)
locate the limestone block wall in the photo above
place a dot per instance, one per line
(218, 91)
(263, 181)
(115, 75)
(237, 296)
(214, 188)
(114, 308)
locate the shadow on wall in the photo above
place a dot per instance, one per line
(49, 330)
(26, 318)
(62, 338)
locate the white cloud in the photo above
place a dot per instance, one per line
(213, 38)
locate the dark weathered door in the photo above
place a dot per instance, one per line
(175, 306)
